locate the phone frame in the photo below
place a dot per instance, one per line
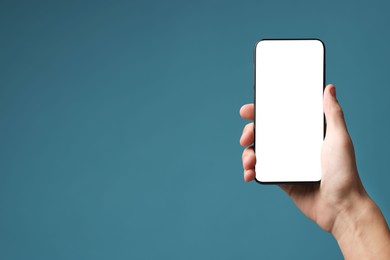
(254, 128)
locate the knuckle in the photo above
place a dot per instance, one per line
(345, 140)
(338, 111)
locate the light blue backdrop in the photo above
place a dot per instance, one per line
(119, 126)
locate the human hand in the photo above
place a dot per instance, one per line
(340, 195)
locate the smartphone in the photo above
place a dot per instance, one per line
(289, 117)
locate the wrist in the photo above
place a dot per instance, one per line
(361, 230)
(351, 214)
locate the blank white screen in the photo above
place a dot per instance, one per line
(289, 112)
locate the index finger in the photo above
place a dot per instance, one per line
(248, 111)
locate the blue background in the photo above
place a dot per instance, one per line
(119, 126)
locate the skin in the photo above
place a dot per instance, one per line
(339, 204)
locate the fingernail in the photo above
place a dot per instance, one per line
(333, 91)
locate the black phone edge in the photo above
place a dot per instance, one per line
(254, 102)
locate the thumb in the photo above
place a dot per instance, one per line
(333, 113)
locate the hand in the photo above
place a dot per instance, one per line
(340, 195)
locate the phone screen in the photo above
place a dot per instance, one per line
(289, 119)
